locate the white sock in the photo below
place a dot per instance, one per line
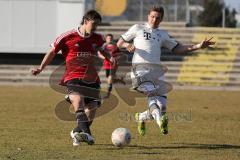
(156, 114)
(144, 116)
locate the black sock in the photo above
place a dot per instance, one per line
(109, 87)
(90, 123)
(77, 129)
(82, 122)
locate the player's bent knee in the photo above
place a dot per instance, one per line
(74, 96)
(77, 101)
(153, 106)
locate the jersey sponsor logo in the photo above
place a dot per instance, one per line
(147, 35)
(83, 54)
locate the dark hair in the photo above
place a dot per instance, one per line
(158, 9)
(109, 34)
(91, 15)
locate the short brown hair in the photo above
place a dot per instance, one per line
(158, 9)
(109, 34)
(91, 15)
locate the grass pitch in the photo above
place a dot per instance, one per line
(203, 125)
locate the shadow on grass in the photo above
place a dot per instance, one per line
(172, 146)
(189, 146)
(208, 146)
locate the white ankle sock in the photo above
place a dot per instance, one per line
(156, 114)
(144, 116)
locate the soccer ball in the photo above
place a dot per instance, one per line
(121, 137)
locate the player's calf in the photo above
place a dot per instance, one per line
(141, 125)
(164, 124)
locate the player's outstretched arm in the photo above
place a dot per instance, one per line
(106, 56)
(122, 44)
(46, 60)
(188, 48)
(99, 54)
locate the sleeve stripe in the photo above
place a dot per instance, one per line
(64, 35)
(175, 46)
(124, 39)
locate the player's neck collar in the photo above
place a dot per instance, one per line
(148, 26)
(82, 34)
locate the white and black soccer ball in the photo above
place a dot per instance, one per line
(121, 137)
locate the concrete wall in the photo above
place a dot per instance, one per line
(29, 26)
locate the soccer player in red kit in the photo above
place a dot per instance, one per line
(110, 47)
(79, 48)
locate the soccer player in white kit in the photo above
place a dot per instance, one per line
(148, 39)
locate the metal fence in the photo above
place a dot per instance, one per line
(175, 10)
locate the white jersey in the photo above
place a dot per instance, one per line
(148, 43)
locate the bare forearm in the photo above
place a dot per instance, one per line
(186, 48)
(100, 55)
(104, 55)
(122, 44)
(47, 59)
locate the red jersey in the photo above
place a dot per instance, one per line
(113, 50)
(79, 53)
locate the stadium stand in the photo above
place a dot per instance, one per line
(214, 68)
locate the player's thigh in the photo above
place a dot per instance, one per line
(113, 72)
(73, 86)
(85, 89)
(93, 101)
(77, 100)
(161, 101)
(107, 72)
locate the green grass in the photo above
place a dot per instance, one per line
(203, 125)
